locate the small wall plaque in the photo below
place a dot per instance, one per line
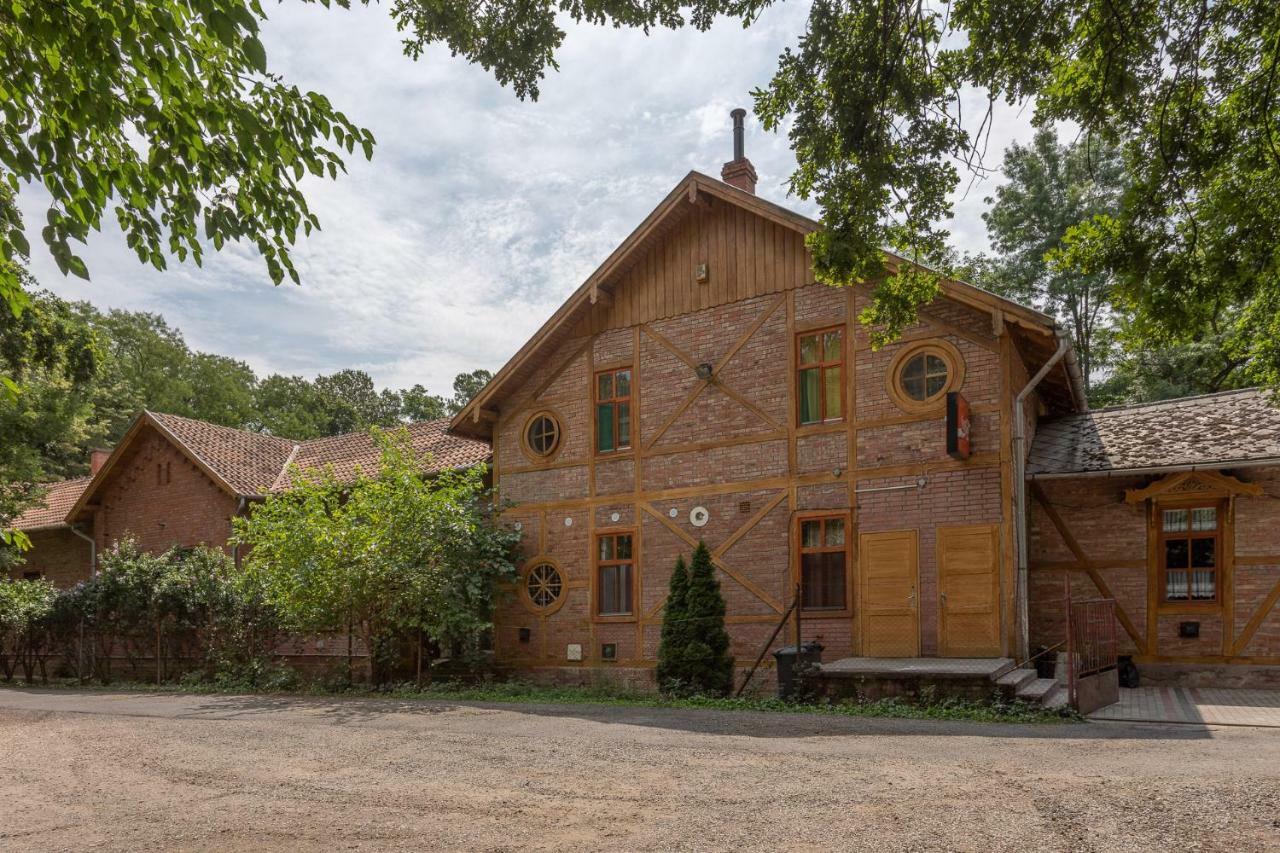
(573, 651)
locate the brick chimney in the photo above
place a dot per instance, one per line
(97, 458)
(739, 172)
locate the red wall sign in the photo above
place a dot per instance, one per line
(958, 425)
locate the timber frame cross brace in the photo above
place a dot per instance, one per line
(703, 384)
(1087, 565)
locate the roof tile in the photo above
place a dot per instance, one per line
(52, 512)
(1231, 427)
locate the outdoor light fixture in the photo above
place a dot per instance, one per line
(705, 371)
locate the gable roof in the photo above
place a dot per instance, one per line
(251, 465)
(473, 420)
(1227, 429)
(357, 450)
(52, 511)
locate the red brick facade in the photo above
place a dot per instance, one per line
(1240, 628)
(733, 447)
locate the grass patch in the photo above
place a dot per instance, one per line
(525, 692)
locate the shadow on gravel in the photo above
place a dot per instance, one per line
(756, 724)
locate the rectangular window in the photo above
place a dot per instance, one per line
(820, 379)
(613, 410)
(1189, 553)
(614, 568)
(824, 558)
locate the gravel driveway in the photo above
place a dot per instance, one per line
(120, 771)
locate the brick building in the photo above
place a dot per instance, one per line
(700, 385)
(173, 481)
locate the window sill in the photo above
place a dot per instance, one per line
(1165, 607)
(843, 613)
(821, 428)
(613, 617)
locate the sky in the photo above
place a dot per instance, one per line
(479, 213)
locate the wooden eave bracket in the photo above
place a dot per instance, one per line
(479, 414)
(1193, 484)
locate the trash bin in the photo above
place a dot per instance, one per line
(789, 662)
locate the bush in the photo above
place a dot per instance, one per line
(696, 657)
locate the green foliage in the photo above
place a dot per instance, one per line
(186, 609)
(465, 387)
(872, 99)
(1051, 189)
(25, 607)
(694, 654)
(675, 629)
(163, 112)
(392, 554)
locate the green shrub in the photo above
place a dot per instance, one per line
(696, 659)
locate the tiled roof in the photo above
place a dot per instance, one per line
(346, 453)
(249, 462)
(1232, 427)
(52, 512)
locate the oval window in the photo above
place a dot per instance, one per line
(924, 376)
(542, 435)
(543, 585)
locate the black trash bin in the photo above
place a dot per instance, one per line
(810, 653)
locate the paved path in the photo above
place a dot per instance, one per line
(1217, 706)
(115, 771)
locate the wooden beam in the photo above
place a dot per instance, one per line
(1082, 558)
(1255, 621)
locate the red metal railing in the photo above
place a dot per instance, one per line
(1091, 642)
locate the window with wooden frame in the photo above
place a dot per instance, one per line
(613, 410)
(541, 436)
(1190, 551)
(615, 574)
(820, 375)
(824, 562)
(922, 373)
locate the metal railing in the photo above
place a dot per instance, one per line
(1091, 642)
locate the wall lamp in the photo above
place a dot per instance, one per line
(705, 371)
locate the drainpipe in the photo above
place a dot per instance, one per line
(1020, 482)
(93, 549)
(235, 549)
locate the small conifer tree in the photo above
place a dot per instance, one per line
(675, 631)
(706, 664)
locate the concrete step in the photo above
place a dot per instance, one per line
(1015, 679)
(1055, 698)
(1036, 691)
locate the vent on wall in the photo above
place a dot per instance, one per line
(744, 507)
(609, 651)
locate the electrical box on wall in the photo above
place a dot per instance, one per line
(608, 651)
(526, 634)
(573, 651)
(1189, 630)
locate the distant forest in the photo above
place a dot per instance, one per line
(81, 375)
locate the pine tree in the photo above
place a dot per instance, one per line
(675, 631)
(706, 664)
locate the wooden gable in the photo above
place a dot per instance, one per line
(712, 252)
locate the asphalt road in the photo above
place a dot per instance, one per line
(113, 771)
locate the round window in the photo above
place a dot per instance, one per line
(924, 376)
(542, 435)
(543, 585)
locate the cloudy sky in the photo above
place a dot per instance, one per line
(479, 213)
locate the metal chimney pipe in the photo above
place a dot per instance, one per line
(738, 145)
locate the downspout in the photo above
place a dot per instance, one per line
(235, 549)
(93, 549)
(1020, 479)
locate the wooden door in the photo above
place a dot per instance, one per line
(887, 581)
(969, 591)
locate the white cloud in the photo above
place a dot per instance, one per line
(479, 213)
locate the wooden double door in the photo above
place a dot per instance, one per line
(968, 592)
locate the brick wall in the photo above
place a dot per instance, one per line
(730, 448)
(162, 499)
(1111, 531)
(58, 555)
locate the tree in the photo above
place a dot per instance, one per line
(1052, 188)
(165, 112)
(872, 100)
(24, 607)
(696, 658)
(290, 407)
(353, 404)
(391, 554)
(418, 404)
(675, 631)
(465, 387)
